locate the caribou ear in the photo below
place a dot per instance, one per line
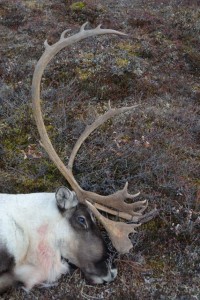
(65, 199)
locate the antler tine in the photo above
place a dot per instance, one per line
(137, 218)
(62, 36)
(99, 30)
(117, 231)
(90, 128)
(117, 201)
(119, 214)
(83, 27)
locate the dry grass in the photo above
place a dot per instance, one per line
(155, 148)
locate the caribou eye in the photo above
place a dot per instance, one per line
(82, 221)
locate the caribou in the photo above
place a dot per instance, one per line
(41, 234)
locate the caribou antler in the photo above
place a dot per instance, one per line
(117, 231)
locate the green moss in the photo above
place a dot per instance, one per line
(196, 87)
(132, 50)
(83, 74)
(89, 55)
(37, 175)
(77, 6)
(196, 182)
(156, 264)
(30, 184)
(15, 136)
(33, 4)
(125, 46)
(122, 62)
(154, 226)
(31, 173)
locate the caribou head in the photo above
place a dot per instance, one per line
(84, 246)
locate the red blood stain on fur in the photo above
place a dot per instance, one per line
(45, 252)
(42, 230)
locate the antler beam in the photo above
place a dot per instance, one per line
(50, 52)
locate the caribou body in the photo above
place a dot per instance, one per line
(39, 232)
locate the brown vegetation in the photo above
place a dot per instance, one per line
(155, 148)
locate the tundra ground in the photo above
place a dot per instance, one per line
(156, 147)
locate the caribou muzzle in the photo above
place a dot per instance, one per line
(110, 274)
